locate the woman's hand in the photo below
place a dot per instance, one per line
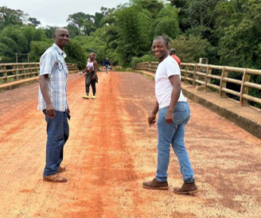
(169, 117)
(151, 119)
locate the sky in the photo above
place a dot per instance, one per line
(56, 12)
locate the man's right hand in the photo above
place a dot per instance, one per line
(151, 119)
(50, 110)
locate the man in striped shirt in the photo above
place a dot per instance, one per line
(53, 103)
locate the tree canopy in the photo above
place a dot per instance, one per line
(227, 32)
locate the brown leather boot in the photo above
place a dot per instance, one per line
(61, 169)
(187, 189)
(154, 184)
(55, 178)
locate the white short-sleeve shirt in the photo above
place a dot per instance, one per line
(163, 87)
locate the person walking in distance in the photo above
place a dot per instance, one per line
(173, 54)
(174, 114)
(91, 78)
(107, 64)
(53, 102)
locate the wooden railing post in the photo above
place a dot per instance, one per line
(36, 69)
(207, 79)
(244, 89)
(15, 66)
(186, 74)
(23, 70)
(195, 75)
(5, 74)
(223, 84)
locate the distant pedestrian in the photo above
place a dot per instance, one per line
(91, 77)
(174, 114)
(53, 102)
(107, 64)
(173, 54)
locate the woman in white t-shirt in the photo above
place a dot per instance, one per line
(91, 78)
(174, 114)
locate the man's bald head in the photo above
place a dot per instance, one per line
(59, 29)
(61, 37)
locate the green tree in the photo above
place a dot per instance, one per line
(153, 6)
(39, 35)
(93, 43)
(88, 27)
(166, 22)
(240, 39)
(86, 23)
(38, 48)
(97, 19)
(200, 12)
(75, 54)
(191, 48)
(11, 17)
(28, 32)
(106, 11)
(196, 17)
(34, 21)
(73, 31)
(6, 53)
(134, 39)
(13, 37)
(145, 58)
(78, 19)
(178, 3)
(49, 31)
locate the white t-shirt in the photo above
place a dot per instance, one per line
(163, 88)
(90, 65)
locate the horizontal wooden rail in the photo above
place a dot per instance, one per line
(218, 79)
(16, 71)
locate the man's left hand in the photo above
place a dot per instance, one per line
(169, 117)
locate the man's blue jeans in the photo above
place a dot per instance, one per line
(57, 135)
(107, 68)
(173, 134)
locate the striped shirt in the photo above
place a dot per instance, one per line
(52, 64)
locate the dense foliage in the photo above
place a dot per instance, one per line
(227, 32)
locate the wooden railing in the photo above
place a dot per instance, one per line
(218, 79)
(17, 71)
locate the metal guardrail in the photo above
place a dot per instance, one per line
(18, 71)
(214, 78)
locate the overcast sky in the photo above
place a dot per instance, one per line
(56, 12)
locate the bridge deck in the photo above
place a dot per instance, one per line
(111, 151)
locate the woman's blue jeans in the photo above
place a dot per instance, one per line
(57, 135)
(173, 134)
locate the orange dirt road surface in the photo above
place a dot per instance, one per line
(111, 151)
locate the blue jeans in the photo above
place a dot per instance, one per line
(173, 134)
(57, 135)
(107, 68)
